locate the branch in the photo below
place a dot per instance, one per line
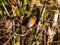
(11, 37)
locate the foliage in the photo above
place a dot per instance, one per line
(0, 11)
(14, 12)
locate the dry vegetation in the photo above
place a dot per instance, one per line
(45, 31)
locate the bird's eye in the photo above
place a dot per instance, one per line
(34, 17)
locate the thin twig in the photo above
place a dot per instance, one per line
(44, 9)
(55, 18)
(55, 41)
(19, 3)
(5, 9)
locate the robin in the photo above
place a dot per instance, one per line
(29, 21)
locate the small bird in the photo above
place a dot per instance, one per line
(29, 21)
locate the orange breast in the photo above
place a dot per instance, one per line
(32, 21)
